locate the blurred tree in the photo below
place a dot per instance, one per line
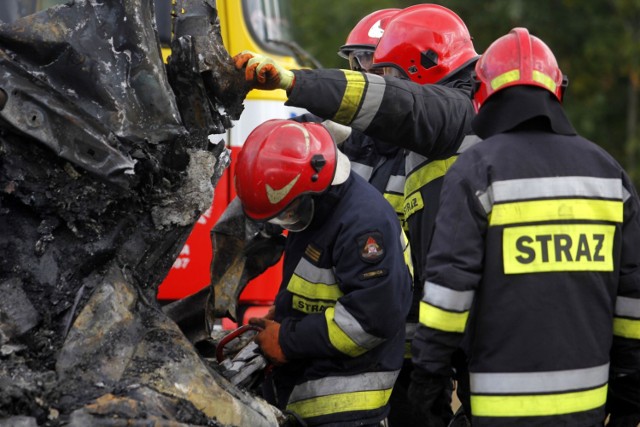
(597, 44)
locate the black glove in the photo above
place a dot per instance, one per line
(623, 402)
(430, 397)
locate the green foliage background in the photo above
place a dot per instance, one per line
(596, 42)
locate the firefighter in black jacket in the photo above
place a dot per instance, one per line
(533, 259)
(337, 335)
(427, 111)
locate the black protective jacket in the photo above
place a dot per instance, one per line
(535, 259)
(345, 293)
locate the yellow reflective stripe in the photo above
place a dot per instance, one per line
(558, 209)
(396, 201)
(538, 405)
(544, 80)
(514, 75)
(310, 306)
(626, 328)
(558, 247)
(503, 79)
(427, 173)
(298, 285)
(407, 252)
(352, 98)
(344, 402)
(339, 339)
(442, 320)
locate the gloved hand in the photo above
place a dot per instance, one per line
(430, 397)
(268, 338)
(623, 400)
(263, 72)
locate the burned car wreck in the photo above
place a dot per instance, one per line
(105, 165)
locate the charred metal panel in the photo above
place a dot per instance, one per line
(105, 165)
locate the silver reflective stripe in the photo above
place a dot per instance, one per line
(539, 382)
(353, 329)
(313, 274)
(410, 330)
(468, 141)
(628, 307)
(485, 200)
(446, 298)
(362, 170)
(626, 194)
(413, 161)
(561, 186)
(370, 381)
(404, 241)
(395, 184)
(371, 104)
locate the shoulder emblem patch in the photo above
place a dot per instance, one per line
(371, 247)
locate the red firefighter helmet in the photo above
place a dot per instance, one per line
(426, 42)
(367, 32)
(517, 58)
(280, 161)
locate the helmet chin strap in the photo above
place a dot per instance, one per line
(343, 168)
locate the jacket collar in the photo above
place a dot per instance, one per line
(521, 107)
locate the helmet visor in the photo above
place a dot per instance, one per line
(362, 60)
(297, 216)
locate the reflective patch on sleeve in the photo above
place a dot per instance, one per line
(371, 247)
(443, 320)
(373, 96)
(626, 328)
(626, 322)
(346, 334)
(558, 247)
(356, 86)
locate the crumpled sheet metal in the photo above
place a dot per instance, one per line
(87, 97)
(197, 28)
(87, 80)
(133, 346)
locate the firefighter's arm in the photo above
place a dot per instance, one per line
(453, 274)
(375, 301)
(623, 402)
(454, 271)
(431, 120)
